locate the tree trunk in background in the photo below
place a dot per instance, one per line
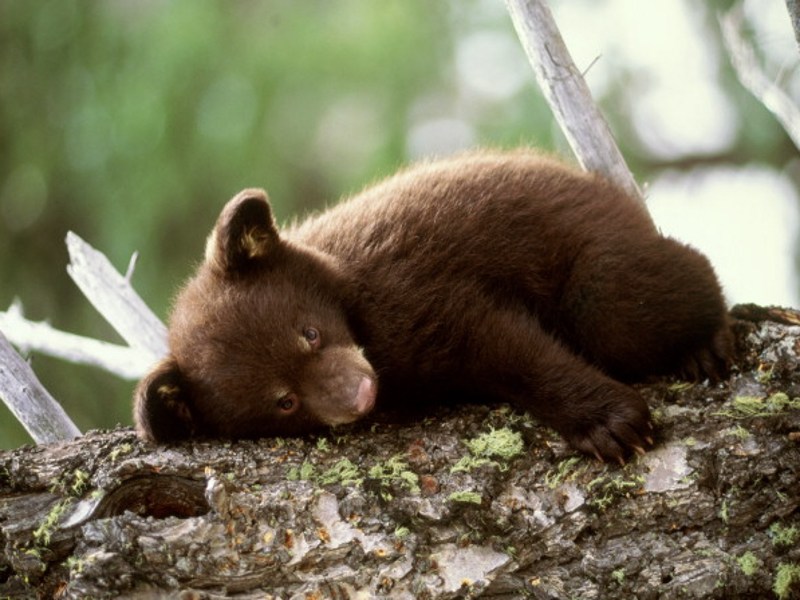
(469, 502)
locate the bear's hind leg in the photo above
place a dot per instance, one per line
(655, 308)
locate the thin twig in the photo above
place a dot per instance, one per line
(131, 266)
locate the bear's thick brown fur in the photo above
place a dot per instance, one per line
(505, 276)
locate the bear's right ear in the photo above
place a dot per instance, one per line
(162, 409)
(245, 233)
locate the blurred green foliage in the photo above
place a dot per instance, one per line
(131, 122)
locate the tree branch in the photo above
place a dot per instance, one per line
(568, 95)
(752, 77)
(114, 298)
(476, 501)
(27, 335)
(112, 295)
(34, 407)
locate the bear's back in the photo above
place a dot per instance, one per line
(473, 195)
(491, 214)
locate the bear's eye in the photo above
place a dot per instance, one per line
(287, 403)
(311, 335)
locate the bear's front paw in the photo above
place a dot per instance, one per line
(613, 424)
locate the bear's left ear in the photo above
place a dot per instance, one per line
(162, 408)
(245, 233)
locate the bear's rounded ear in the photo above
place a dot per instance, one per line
(245, 233)
(162, 409)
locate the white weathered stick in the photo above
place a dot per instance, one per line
(752, 77)
(27, 335)
(27, 399)
(112, 295)
(567, 93)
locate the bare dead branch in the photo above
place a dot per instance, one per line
(567, 93)
(112, 295)
(753, 78)
(27, 399)
(123, 361)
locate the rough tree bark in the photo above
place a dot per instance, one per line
(474, 502)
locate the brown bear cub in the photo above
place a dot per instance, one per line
(504, 276)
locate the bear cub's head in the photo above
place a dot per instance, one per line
(259, 340)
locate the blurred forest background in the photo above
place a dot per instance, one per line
(131, 123)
